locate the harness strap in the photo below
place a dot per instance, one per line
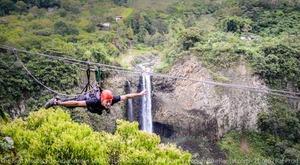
(88, 85)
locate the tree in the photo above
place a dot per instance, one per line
(279, 65)
(6, 6)
(64, 29)
(160, 25)
(71, 5)
(37, 12)
(51, 137)
(21, 6)
(281, 122)
(237, 24)
(190, 36)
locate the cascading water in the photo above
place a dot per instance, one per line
(146, 104)
(129, 102)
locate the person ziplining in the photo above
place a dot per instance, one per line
(94, 102)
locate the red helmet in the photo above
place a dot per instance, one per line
(106, 95)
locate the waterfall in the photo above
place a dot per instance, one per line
(146, 104)
(129, 102)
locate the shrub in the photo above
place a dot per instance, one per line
(190, 36)
(279, 65)
(237, 24)
(3, 38)
(62, 12)
(91, 27)
(281, 122)
(143, 24)
(40, 24)
(154, 40)
(50, 136)
(71, 5)
(21, 6)
(6, 6)
(37, 12)
(254, 154)
(220, 50)
(65, 29)
(275, 22)
(99, 52)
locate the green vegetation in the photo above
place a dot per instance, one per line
(51, 137)
(246, 148)
(16, 83)
(237, 24)
(67, 28)
(63, 28)
(281, 127)
(276, 143)
(271, 22)
(264, 34)
(279, 65)
(282, 122)
(255, 32)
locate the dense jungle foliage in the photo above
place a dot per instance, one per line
(220, 33)
(51, 137)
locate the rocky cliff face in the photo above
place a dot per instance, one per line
(189, 108)
(195, 108)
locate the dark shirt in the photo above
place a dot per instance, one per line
(94, 104)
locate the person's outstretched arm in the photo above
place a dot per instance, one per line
(72, 103)
(133, 95)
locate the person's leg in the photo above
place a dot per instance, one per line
(68, 98)
(67, 102)
(71, 103)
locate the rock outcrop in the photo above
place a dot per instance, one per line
(196, 108)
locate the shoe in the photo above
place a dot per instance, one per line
(51, 103)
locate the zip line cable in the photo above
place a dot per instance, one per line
(270, 91)
(203, 82)
(35, 79)
(242, 87)
(121, 69)
(110, 67)
(63, 58)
